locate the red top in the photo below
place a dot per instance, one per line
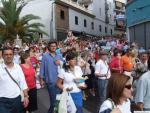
(96, 56)
(116, 63)
(29, 76)
(34, 60)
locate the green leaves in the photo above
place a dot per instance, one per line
(12, 24)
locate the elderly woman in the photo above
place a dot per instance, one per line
(119, 91)
(66, 80)
(142, 96)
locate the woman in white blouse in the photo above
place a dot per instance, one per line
(119, 91)
(66, 80)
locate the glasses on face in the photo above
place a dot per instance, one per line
(128, 86)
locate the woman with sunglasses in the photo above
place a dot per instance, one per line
(119, 91)
(66, 80)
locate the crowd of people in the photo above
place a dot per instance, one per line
(116, 71)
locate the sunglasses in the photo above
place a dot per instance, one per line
(128, 86)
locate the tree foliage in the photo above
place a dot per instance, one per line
(11, 23)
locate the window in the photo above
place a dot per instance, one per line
(85, 23)
(100, 12)
(92, 25)
(62, 14)
(100, 28)
(105, 29)
(111, 31)
(76, 20)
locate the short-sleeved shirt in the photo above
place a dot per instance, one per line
(127, 63)
(68, 78)
(124, 108)
(102, 67)
(143, 90)
(8, 88)
(115, 63)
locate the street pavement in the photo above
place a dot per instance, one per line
(90, 105)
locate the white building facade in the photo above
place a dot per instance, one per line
(100, 27)
(59, 16)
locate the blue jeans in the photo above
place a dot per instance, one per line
(77, 98)
(102, 87)
(53, 91)
(11, 105)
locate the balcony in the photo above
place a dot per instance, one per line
(76, 5)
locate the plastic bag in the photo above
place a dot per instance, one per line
(63, 102)
(71, 108)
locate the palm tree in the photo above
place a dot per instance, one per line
(12, 24)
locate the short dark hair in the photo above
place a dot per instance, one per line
(52, 42)
(116, 86)
(69, 56)
(116, 51)
(7, 48)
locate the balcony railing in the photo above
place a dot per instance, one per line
(76, 5)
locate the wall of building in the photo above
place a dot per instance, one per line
(98, 9)
(138, 22)
(50, 15)
(62, 21)
(80, 27)
(43, 9)
(140, 33)
(88, 29)
(138, 12)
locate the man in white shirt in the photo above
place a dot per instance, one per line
(102, 71)
(10, 99)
